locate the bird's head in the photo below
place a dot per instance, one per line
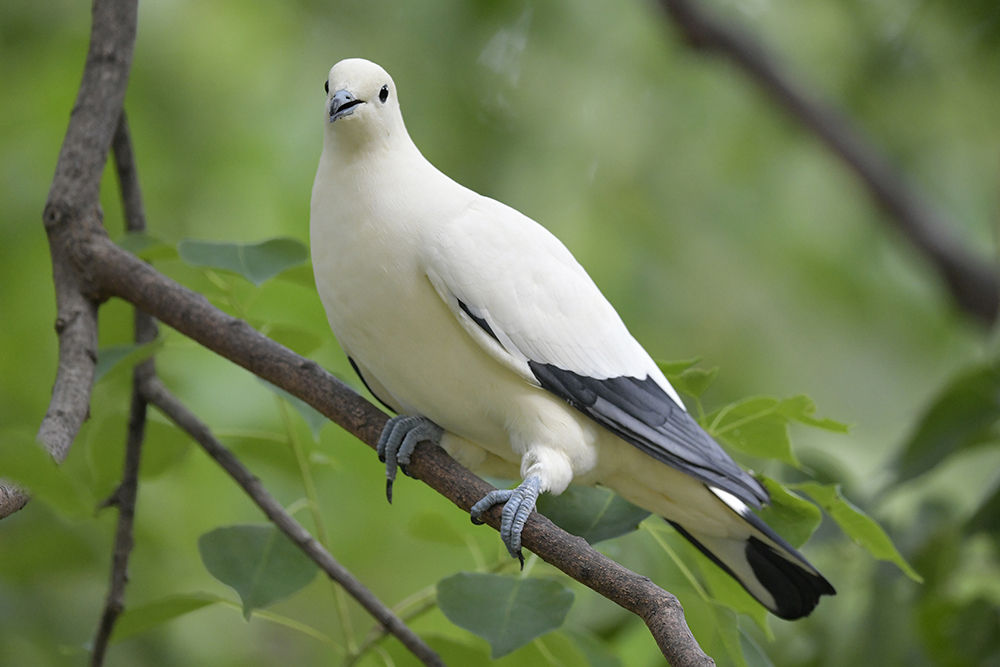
(361, 104)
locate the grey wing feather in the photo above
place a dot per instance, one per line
(642, 414)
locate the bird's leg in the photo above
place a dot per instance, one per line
(399, 437)
(518, 504)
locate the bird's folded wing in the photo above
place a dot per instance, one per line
(523, 297)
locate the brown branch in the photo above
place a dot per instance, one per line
(158, 395)
(127, 277)
(973, 281)
(73, 210)
(125, 495)
(11, 498)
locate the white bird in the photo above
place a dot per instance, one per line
(481, 331)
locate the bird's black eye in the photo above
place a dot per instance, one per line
(383, 94)
(326, 87)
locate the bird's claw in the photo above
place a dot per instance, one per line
(517, 506)
(397, 442)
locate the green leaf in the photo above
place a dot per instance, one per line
(856, 524)
(790, 515)
(695, 381)
(673, 369)
(759, 425)
(313, 417)
(112, 357)
(293, 337)
(136, 620)
(964, 415)
(727, 593)
(257, 262)
(596, 651)
(593, 513)
(508, 612)
(259, 562)
(433, 527)
(987, 518)
(163, 447)
(147, 247)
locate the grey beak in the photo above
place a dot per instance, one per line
(342, 104)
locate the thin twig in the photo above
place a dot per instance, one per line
(125, 495)
(973, 282)
(127, 277)
(159, 396)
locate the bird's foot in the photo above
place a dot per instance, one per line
(517, 505)
(398, 440)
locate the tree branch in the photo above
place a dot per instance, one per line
(158, 395)
(73, 211)
(973, 282)
(127, 277)
(125, 495)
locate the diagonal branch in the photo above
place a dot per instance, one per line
(125, 495)
(154, 391)
(973, 281)
(123, 275)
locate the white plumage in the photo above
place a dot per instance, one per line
(458, 309)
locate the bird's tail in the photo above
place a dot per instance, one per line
(767, 566)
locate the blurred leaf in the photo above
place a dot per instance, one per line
(753, 653)
(695, 381)
(596, 652)
(759, 425)
(146, 246)
(728, 593)
(311, 415)
(453, 651)
(28, 465)
(257, 262)
(508, 612)
(300, 275)
(673, 369)
(717, 631)
(987, 517)
(123, 356)
(790, 515)
(687, 379)
(291, 336)
(258, 561)
(856, 524)
(959, 634)
(432, 527)
(964, 415)
(593, 513)
(136, 620)
(164, 446)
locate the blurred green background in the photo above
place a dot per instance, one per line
(717, 227)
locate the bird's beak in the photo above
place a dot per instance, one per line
(342, 104)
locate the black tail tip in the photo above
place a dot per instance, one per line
(796, 590)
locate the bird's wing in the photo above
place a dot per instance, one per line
(528, 303)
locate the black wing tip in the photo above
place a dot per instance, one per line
(796, 590)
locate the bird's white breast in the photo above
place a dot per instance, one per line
(387, 316)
